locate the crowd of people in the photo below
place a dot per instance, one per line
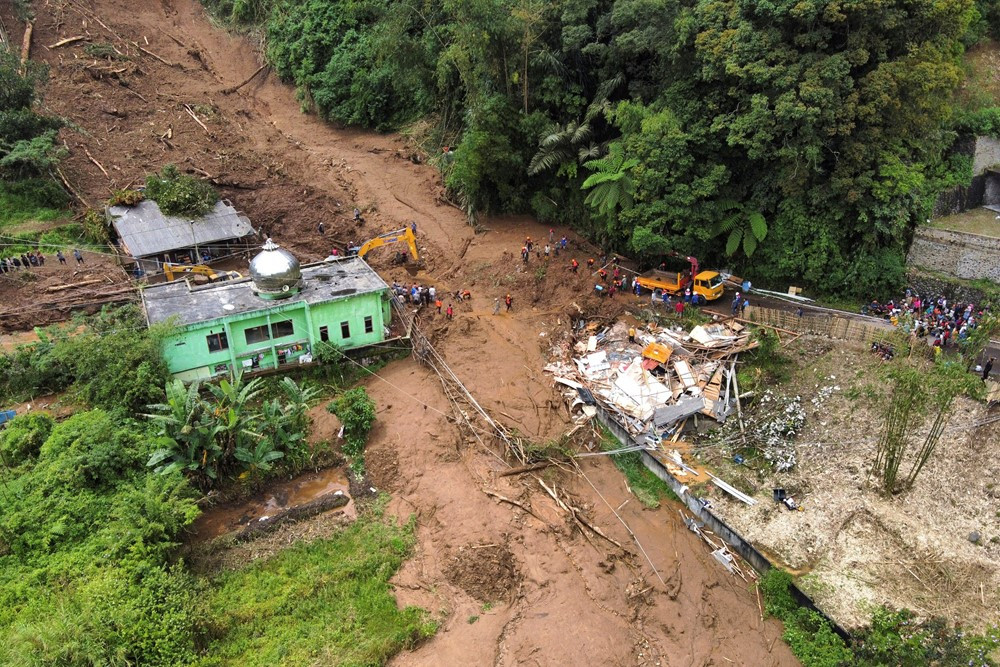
(428, 295)
(33, 259)
(945, 323)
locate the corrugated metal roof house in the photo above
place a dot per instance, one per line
(145, 232)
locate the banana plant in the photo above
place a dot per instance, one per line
(258, 459)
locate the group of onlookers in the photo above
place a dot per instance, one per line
(33, 258)
(948, 323)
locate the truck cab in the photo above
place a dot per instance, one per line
(708, 284)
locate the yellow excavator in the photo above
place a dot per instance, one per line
(175, 271)
(404, 235)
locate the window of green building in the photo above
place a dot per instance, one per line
(283, 328)
(256, 334)
(324, 334)
(369, 326)
(345, 330)
(217, 342)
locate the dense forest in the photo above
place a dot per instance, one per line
(800, 141)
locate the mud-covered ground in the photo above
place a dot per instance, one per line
(560, 597)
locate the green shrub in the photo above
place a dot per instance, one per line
(646, 486)
(27, 138)
(32, 199)
(95, 227)
(180, 194)
(356, 412)
(37, 155)
(119, 617)
(22, 438)
(810, 636)
(147, 616)
(125, 198)
(900, 638)
(92, 449)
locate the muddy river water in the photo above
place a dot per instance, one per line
(278, 497)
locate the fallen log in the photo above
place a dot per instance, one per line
(69, 187)
(99, 165)
(67, 41)
(233, 89)
(26, 44)
(191, 113)
(268, 524)
(60, 288)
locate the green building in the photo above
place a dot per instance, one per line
(273, 318)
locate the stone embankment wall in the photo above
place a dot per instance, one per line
(968, 256)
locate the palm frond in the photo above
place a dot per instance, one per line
(591, 152)
(758, 225)
(734, 241)
(581, 132)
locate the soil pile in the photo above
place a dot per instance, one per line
(485, 571)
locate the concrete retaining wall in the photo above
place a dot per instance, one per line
(985, 155)
(968, 256)
(737, 543)
(983, 189)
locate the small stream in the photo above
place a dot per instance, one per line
(278, 497)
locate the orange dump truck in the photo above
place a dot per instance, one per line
(706, 283)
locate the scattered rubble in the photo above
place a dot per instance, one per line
(656, 379)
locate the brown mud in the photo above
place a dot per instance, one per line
(279, 497)
(562, 597)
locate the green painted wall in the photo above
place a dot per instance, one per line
(188, 356)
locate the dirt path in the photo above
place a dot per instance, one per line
(542, 593)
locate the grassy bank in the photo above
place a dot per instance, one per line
(34, 215)
(326, 602)
(647, 487)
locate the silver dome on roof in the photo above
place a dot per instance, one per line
(275, 271)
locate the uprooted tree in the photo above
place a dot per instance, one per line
(917, 392)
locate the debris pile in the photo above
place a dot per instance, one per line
(653, 379)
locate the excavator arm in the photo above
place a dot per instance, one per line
(400, 235)
(173, 271)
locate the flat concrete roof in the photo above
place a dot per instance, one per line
(321, 282)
